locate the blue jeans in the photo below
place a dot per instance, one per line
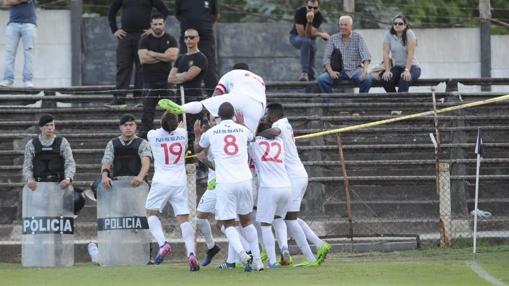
(325, 82)
(307, 48)
(27, 32)
(396, 80)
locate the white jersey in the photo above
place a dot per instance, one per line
(169, 151)
(269, 157)
(227, 142)
(243, 82)
(293, 165)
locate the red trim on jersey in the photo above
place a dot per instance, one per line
(221, 88)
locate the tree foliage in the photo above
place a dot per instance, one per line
(368, 13)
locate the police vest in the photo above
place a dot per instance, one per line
(127, 162)
(48, 164)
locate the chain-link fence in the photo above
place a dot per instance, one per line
(381, 182)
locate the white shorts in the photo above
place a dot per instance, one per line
(233, 199)
(299, 187)
(253, 110)
(272, 202)
(207, 202)
(160, 194)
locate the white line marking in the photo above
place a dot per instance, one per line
(485, 275)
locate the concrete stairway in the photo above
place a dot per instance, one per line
(391, 168)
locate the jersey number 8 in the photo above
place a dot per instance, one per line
(230, 148)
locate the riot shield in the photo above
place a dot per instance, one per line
(122, 228)
(47, 226)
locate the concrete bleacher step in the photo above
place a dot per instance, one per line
(384, 209)
(391, 167)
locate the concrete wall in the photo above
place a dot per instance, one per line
(441, 52)
(499, 56)
(52, 53)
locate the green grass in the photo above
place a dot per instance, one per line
(431, 266)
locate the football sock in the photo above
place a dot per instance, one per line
(281, 233)
(269, 243)
(155, 227)
(205, 229)
(252, 239)
(258, 229)
(310, 234)
(243, 240)
(300, 238)
(188, 236)
(232, 256)
(234, 239)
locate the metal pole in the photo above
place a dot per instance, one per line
(474, 249)
(76, 9)
(346, 185)
(444, 239)
(485, 38)
(349, 6)
(437, 139)
(182, 102)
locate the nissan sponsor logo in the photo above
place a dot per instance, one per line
(119, 223)
(37, 225)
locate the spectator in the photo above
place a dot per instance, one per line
(157, 50)
(22, 25)
(135, 21)
(306, 22)
(201, 16)
(188, 71)
(400, 43)
(355, 56)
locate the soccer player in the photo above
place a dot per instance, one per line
(299, 181)
(245, 90)
(169, 183)
(207, 207)
(227, 142)
(273, 193)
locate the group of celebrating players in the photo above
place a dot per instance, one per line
(256, 179)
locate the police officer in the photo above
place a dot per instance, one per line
(126, 155)
(48, 158)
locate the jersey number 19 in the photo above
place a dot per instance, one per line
(174, 149)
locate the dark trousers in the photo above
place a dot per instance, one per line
(152, 93)
(127, 55)
(307, 49)
(396, 80)
(208, 48)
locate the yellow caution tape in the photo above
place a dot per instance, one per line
(404, 117)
